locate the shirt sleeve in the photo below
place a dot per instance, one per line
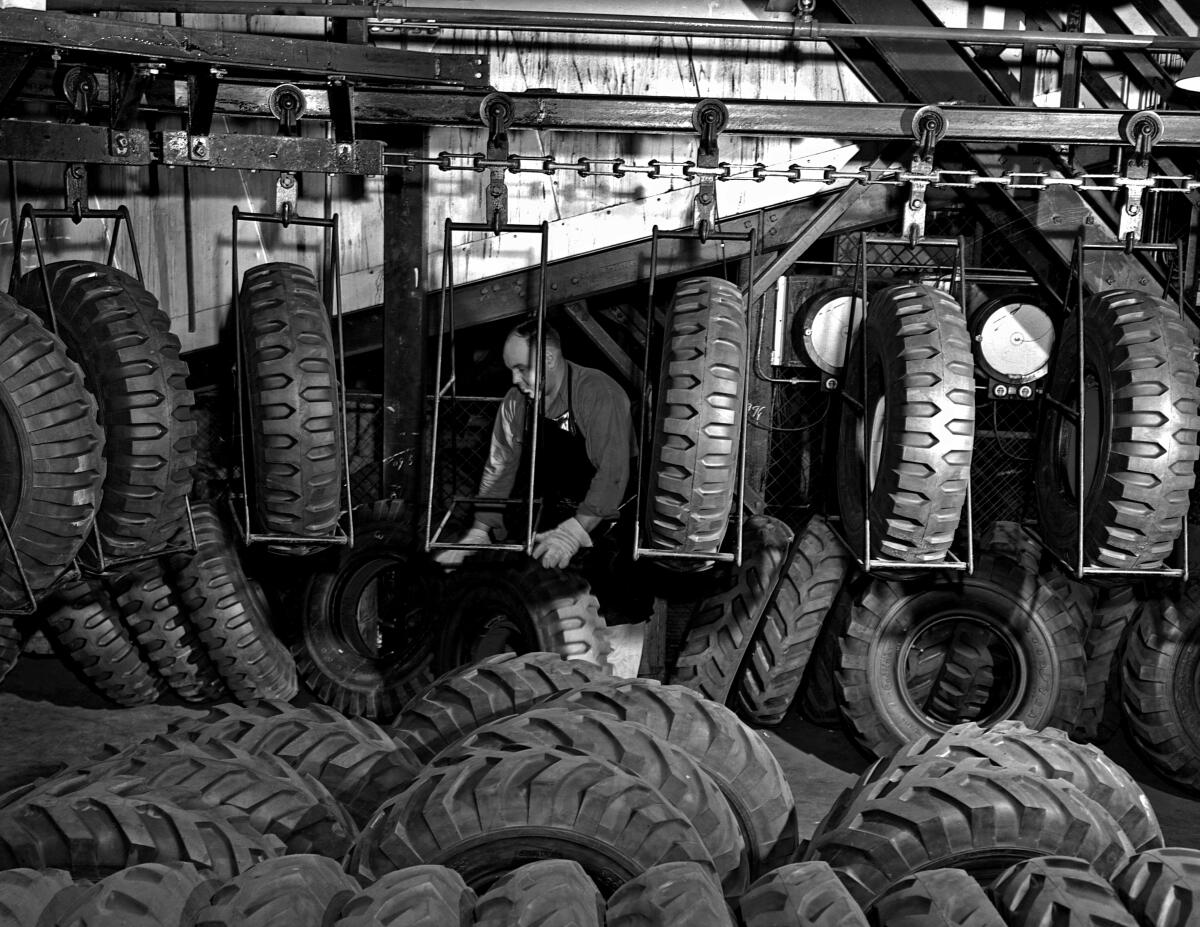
(504, 457)
(607, 426)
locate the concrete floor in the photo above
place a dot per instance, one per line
(49, 718)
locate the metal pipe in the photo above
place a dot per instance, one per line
(473, 18)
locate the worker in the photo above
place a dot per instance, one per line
(585, 447)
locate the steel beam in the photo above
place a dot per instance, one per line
(271, 152)
(235, 52)
(46, 141)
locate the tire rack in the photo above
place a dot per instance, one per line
(76, 209)
(859, 402)
(1079, 569)
(703, 235)
(450, 386)
(284, 218)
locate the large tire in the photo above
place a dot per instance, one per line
(967, 816)
(274, 798)
(465, 699)
(51, 459)
(1160, 683)
(1162, 887)
(150, 608)
(697, 421)
(298, 889)
(295, 421)
(10, 644)
(1140, 383)
(96, 832)
(724, 624)
(489, 814)
(230, 620)
(88, 626)
(638, 751)
(366, 624)
(1116, 609)
(353, 758)
(1042, 891)
(791, 624)
(669, 895)
(114, 329)
(25, 894)
(1036, 643)
(735, 756)
(496, 607)
(419, 896)
(546, 893)
(818, 686)
(146, 895)
(1048, 754)
(937, 898)
(801, 894)
(916, 434)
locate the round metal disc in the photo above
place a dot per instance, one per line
(1013, 340)
(825, 322)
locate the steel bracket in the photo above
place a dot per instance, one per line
(708, 119)
(75, 191)
(928, 128)
(285, 197)
(497, 112)
(1141, 130)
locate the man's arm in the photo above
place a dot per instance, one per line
(504, 457)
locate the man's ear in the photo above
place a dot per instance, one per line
(553, 357)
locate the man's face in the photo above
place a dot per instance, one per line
(518, 358)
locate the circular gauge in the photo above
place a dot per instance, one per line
(820, 327)
(1012, 339)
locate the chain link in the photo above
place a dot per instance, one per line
(793, 173)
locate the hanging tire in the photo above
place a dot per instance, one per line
(1140, 388)
(1160, 684)
(1032, 892)
(116, 331)
(26, 894)
(784, 641)
(463, 700)
(353, 758)
(548, 893)
(1116, 610)
(419, 896)
(298, 889)
(697, 420)
(1161, 886)
(735, 756)
(916, 434)
(487, 815)
(937, 898)
(806, 894)
(150, 609)
(723, 625)
(1034, 641)
(635, 749)
(96, 832)
(669, 895)
(965, 816)
(51, 457)
(294, 426)
(366, 623)
(230, 619)
(145, 895)
(88, 627)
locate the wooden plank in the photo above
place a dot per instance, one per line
(577, 312)
(235, 50)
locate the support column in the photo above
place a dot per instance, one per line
(405, 344)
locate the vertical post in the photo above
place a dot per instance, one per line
(404, 327)
(757, 436)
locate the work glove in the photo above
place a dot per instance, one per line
(478, 533)
(556, 547)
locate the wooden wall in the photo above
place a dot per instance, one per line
(182, 216)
